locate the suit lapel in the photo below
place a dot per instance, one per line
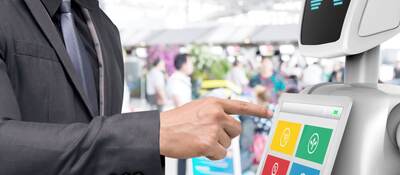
(50, 31)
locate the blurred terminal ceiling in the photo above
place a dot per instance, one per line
(150, 22)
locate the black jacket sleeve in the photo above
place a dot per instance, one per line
(121, 144)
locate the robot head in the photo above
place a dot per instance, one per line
(332, 28)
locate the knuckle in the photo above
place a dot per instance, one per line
(210, 142)
(227, 143)
(239, 131)
(213, 137)
(204, 147)
(235, 135)
(211, 100)
(215, 118)
(212, 113)
(221, 115)
(215, 111)
(222, 154)
(238, 127)
(214, 129)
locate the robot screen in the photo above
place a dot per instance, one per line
(323, 21)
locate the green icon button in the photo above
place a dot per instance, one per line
(336, 112)
(314, 143)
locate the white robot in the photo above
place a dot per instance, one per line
(355, 29)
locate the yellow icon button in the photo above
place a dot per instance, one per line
(285, 137)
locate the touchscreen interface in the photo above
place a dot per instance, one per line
(305, 139)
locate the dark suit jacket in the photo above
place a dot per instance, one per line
(46, 127)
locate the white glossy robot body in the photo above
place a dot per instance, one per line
(355, 29)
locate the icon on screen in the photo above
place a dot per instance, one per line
(275, 168)
(298, 169)
(285, 137)
(315, 4)
(313, 143)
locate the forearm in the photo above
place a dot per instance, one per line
(118, 144)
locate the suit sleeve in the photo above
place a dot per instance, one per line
(121, 144)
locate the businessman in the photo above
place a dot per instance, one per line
(61, 77)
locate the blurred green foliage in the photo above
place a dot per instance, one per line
(208, 66)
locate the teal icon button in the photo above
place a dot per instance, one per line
(314, 143)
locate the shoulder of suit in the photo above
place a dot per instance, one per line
(9, 10)
(107, 20)
(10, 3)
(6, 6)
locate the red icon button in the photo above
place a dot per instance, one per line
(275, 166)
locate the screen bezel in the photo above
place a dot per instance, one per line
(334, 101)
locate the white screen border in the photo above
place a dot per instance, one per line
(321, 100)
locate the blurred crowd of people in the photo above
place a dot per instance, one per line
(263, 84)
(266, 82)
(177, 88)
(272, 78)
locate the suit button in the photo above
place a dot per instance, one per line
(138, 173)
(126, 173)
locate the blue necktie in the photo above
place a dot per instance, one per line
(78, 54)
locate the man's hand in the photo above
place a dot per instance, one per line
(203, 127)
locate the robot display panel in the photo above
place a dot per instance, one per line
(323, 21)
(306, 135)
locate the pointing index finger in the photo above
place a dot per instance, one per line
(243, 108)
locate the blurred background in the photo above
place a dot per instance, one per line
(181, 50)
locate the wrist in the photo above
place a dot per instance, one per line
(163, 141)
